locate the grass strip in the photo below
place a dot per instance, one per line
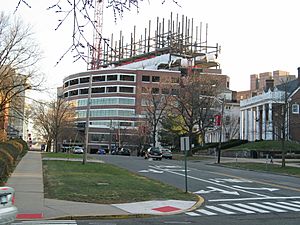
(104, 184)
(274, 168)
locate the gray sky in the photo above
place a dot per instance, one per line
(255, 36)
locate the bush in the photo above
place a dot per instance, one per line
(10, 154)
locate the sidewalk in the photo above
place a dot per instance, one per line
(27, 180)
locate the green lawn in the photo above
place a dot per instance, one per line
(62, 155)
(103, 183)
(266, 168)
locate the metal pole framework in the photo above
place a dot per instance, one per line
(220, 130)
(87, 122)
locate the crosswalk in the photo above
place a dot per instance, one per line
(46, 222)
(247, 208)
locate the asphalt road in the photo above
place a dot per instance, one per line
(232, 197)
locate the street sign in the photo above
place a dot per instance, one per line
(184, 144)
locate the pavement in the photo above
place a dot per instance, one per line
(27, 180)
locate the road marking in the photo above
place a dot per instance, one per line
(250, 199)
(46, 222)
(151, 171)
(211, 182)
(259, 182)
(251, 208)
(296, 202)
(220, 210)
(237, 208)
(290, 204)
(267, 207)
(192, 214)
(206, 212)
(214, 189)
(282, 206)
(258, 189)
(230, 180)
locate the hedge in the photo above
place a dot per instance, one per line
(11, 153)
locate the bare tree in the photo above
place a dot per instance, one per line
(19, 55)
(52, 118)
(81, 12)
(156, 104)
(195, 103)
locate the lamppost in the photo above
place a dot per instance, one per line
(220, 129)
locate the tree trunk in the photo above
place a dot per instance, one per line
(282, 153)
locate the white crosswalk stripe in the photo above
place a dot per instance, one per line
(46, 222)
(247, 208)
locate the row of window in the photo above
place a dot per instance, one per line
(105, 89)
(106, 113)
(117, 77)
(101, 78)
(113, 124)
(106, 101)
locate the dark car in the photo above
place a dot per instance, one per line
(166, 153)
(120, 151)
(154, 153)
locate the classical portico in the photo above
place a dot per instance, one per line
(256, 116)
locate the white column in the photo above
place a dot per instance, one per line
(241, 125)
(246, 125)
(257, 123)
(251, 125)
(264, 122)
(270, 124)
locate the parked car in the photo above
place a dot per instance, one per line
(154, 153)
(166, 153)
(120, 151)
(101, 151)
(8, 211)
(78, 150)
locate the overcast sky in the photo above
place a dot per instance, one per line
(255, 36)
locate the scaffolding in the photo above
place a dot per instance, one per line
(177, 37)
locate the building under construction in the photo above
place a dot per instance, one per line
(110, 96)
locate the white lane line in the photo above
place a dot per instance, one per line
(192, 214)
(252, 199)
(237, 208)
(290, 204)
(251, 208)
(220, 210)
(266, 207)
(210, 182)
(282, 206)
(296, 202)
(206, 212)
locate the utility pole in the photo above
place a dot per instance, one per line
(220, 130)
(87, 123)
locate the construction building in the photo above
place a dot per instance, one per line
(110, 96)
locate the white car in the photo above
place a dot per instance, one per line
(8, 211)
(78, 150)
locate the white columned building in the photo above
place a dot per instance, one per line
(256, 116)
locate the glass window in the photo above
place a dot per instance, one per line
(112, 77)
(295, 108)
(175, 91)
(126, 89)
(98, 90)
(73, 92)
(67, 84)
(127, 101)
(81, 113)
(73, 82)
(127, 77)
(65, 94)
(82, 102)
(146, 78)
(155, 90)
(111, 89)
(165, 91)
(84, 80)
(84, 91)
(112, 112)
(98, 78)
(155, 79)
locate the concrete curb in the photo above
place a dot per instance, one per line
(199, 202)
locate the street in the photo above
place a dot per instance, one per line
(231, 196)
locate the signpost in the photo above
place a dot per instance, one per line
(185, 146)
